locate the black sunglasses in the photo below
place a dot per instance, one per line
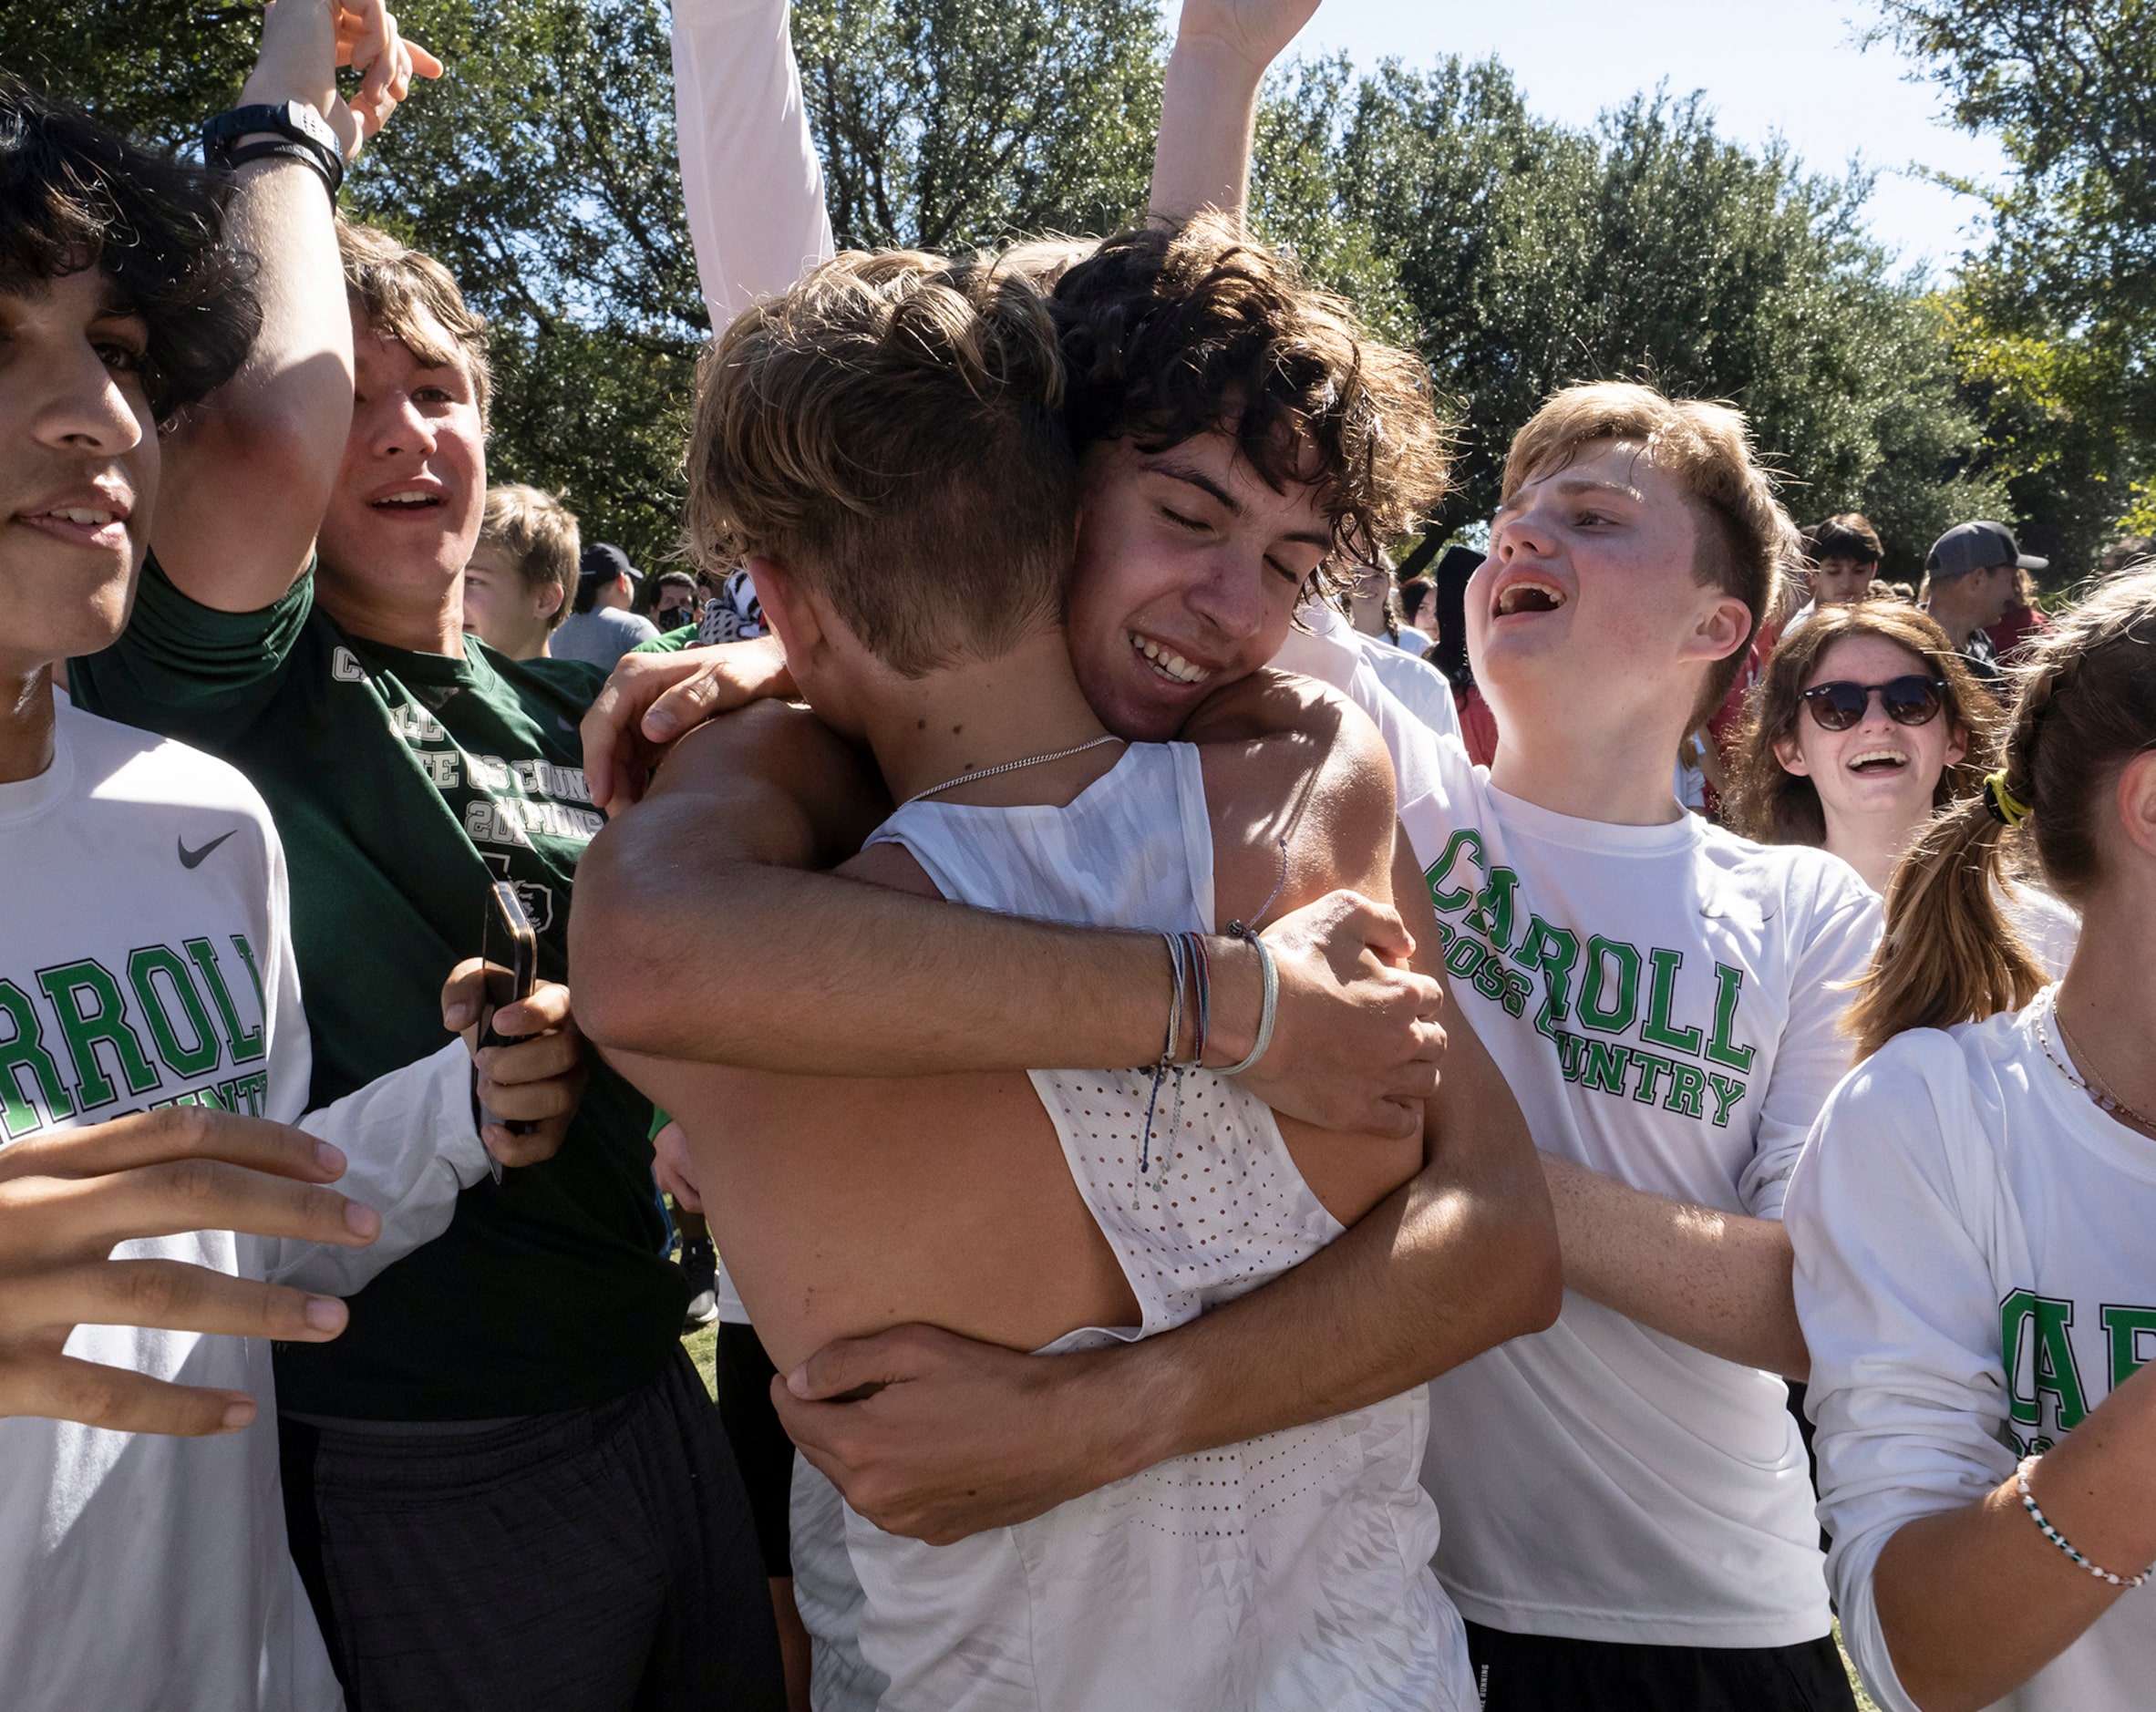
(1913, 700)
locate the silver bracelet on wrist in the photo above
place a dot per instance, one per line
(2028, 1502)
(1268, 1006)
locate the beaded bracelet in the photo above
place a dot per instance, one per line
(2028, 1502)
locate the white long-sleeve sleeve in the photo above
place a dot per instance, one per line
(1897, 1302)
(1842, 923)
(411, 1149)
(1971, 1265)
(749, 171)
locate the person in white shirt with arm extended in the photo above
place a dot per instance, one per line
(161, 1219)
(1972, 1217)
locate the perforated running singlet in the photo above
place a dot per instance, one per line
(1287, 1572)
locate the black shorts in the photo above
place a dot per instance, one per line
(760, 1444)
(596, 1557)
(1541, 1673)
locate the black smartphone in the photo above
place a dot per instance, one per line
(511, 946)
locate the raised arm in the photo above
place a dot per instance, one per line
(750, 173)
(772, 967)
(266, 446)
(962, 1436)
(1209, 102)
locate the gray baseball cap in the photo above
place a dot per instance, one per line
(1969, 547)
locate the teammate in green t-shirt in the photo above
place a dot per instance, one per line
(301, 617)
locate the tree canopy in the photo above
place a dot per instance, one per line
(2054, 319)
(1515, 254)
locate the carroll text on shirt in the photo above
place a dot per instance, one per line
(72, 1043)
(2045, 1391)
(1686, 1062)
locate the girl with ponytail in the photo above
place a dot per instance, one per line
(1972, 1224)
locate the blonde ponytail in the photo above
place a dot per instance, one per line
(1948, 954)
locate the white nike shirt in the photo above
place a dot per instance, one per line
(1973, 1276)
(144, 961)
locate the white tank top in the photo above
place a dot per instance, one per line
(1289, 1572)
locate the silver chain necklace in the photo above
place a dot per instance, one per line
(2101, 1096)
(1011, 766)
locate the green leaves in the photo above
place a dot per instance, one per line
(945, 123)
(2055, 317)
(1523, 256)
(1517, 254)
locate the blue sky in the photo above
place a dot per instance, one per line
(1792, 66)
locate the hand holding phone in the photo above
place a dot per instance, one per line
(530, 1083)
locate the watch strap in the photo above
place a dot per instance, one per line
(300, 132)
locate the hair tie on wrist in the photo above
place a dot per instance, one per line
(2005, 808)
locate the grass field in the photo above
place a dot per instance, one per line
(703, 1348)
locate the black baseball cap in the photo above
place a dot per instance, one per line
(602, 562)
(1969, 547)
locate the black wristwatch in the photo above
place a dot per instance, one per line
(294, 130)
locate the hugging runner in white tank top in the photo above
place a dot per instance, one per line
(1288, 1572)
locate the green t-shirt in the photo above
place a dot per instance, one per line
(402, 784)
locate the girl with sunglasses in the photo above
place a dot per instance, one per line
(1866, 722)
(1971, 1222)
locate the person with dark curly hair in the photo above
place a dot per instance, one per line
(300, 616)
(164, 1217)
(1193, 572)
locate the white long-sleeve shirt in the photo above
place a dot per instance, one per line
(749, 170)
(145, 959)
(1973, 1276)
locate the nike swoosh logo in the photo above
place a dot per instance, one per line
(194, 858)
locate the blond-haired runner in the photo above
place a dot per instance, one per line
(912, 544)
(1690, 1245)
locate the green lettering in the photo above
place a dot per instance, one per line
(1493, 907)
(1464, 955)
(1650, 1075)
(244, 1044)
(1492, 980)
(1452, 899)
(23, 1049)
(1604, 1067)
(1553, 951)
(2127, 1327)
(2042, 1325)
(1660, 995)
(1728, 984)
(1727, 1091)
(1616, 1016)
(1687, 1084)
(1570, 1054)
(143, 968)
(85, 999)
